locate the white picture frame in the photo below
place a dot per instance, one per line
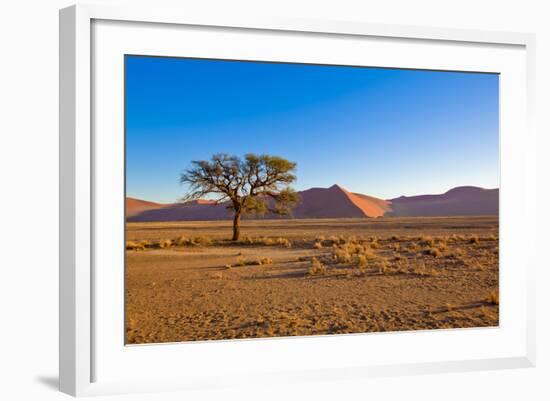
(79, 345)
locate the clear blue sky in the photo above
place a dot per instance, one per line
(382, 132)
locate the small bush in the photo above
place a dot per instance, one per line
(317, 245)
(474, 239)
(341, 255)
(316, 268)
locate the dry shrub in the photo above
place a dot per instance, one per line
(422, 270)
(347, 253)
(362, 261)
(165, 243)
(383, 267)
(341, 255)
(134, 246)
(316, 268)
(397, 257)
(181, 241)
(435, 252)
(201, 241)
(269, 241)
(426, 240)
(320, 238)
(264, 261)
(284, 242)
(317, 245)
(474, 239)
(375, 245)
(413, 247)
(493, 298)
(450, 307)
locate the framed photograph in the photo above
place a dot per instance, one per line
(271, 200)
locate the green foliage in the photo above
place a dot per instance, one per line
(257, 184)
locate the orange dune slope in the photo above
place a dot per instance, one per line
(135, 207)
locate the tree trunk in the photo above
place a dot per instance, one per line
(236, 226)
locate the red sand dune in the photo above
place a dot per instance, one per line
(459, 201)
(333, 202)
(336, 202)
(138, 206)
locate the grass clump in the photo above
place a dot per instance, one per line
(435, 252)
(493, 298)
(474, 239)
(135, 246)
(264, 261)
(182, 240)
(317, 245)
(316, 268)
(426, 240)
(201, 241)
(362, 261)
(165, 243)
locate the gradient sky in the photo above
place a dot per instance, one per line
(381, 132)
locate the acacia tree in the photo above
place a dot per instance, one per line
(256, 184)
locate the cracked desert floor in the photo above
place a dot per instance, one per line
(185, 281)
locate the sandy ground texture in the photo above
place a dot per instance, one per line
(185, 281)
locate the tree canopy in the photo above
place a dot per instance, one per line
(256, 184)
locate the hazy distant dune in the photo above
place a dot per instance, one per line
(334, 202)
(460, 201)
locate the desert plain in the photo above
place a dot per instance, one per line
(186, 281)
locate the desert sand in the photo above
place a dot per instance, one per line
(185, 281)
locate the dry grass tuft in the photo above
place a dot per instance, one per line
(134, 246)
(264, 261)
(426, 240)
(383, 267)
(316, 268)
(422, 270)
(435, 252)
(317, 245)
(362, 261)
(474, 239)
(201, 241)
(165, 243)
(493, 298)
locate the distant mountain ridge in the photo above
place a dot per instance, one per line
(333, 202)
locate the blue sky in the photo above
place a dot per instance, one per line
(382, 132)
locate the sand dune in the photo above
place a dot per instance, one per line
(135, 207)
(459, 201)
(333, 202)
